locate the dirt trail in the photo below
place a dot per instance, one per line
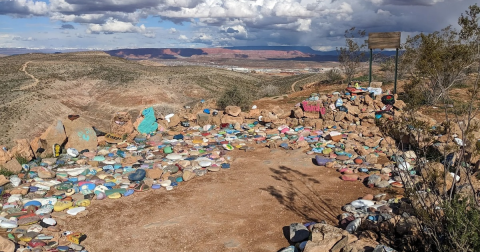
(24, 69)
(293, 85)
(244, 208)
(306, 85)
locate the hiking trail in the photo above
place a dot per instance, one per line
(24, 69)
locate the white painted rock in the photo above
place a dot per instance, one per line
(205, 163)
(174, 156)
(362, 203)
(75, 210)
(165, 183)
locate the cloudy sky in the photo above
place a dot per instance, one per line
(110, 24)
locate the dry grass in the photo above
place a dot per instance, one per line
(96, 85)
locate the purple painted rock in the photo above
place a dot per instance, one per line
(322, 161)
(101, 196)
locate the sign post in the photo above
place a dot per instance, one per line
(383, 40)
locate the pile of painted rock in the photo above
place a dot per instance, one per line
(349, 141)
(47, 190)
(72, 164)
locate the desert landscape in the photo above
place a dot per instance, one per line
(224, 132)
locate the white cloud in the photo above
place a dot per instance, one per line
(235, 31)
(383, 12)
(203, 39)
(23, 8)
(114, 26)
(319, 23)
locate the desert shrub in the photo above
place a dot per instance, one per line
(236, 96)
(461, 225)
(5, 172)
(415, 94)
(21, 159)
(165, 109)
(334, 75)
(268, 91)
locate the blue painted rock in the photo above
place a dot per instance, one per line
(138, 175)
(87, 186)
(109, 184)
(32, 203)
(129, 192)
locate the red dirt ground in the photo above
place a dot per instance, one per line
(241, 209)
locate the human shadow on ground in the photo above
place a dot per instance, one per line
(298, 195)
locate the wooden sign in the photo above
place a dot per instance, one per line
(382, 40)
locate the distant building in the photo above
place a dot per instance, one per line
(240, 69)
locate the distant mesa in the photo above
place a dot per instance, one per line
(298, 53)
(227, 53)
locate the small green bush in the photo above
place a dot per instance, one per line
(236, 96)
(21, 159)
(5, 172)
(269, 91)
(461, 225)
(334, 75)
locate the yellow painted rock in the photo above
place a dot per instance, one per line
(62, 205)
(83, 203)
(114, 195)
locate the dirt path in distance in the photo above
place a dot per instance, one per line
(24, 69)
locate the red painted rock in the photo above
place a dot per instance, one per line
(36, 243)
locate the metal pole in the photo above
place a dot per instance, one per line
(370, 73)
(396, 69)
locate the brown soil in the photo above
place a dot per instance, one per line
(244, 208)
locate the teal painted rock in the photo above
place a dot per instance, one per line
(99, 158)
(118, 190)
(167, 150)
(149, 123)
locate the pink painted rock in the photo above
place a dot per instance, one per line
(101, 196)
(368, 197)
(89, 154)
(342, 158)
(349, 177)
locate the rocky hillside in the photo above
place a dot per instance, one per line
(37, 89)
